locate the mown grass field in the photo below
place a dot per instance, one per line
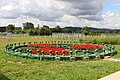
(22, 69)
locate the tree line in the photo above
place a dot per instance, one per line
(29, 28)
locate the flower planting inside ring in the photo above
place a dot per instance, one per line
(63, 51)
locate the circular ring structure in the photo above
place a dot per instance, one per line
(62, 51)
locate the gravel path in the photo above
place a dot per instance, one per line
(114, 76)
(112, 59)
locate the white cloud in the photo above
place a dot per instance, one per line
(110, 14)
(57, 12)
(87, 9)
(7, 8)
(110, 20)
(115, 2)
(42, 9)
(51, 10)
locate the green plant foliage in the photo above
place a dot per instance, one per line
(28, 25)
(3, 77)
(22, 69)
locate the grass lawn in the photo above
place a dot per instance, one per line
(22, 69)
(118, 52)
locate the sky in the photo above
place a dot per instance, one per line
(78, 13)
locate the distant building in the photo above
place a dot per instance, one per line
(2, 29)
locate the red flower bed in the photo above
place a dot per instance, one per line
(41, 45)
(46, 51)
(34, 51)
(86, 46)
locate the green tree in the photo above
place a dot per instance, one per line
(31, 33)
(17, 31)
(18, 28)
(23, 31)
(28, 25)
(10, 27)
(57, 29)
(85, 30)
(113, 31)
(44, 31)
(45, 26)
(67, 31)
